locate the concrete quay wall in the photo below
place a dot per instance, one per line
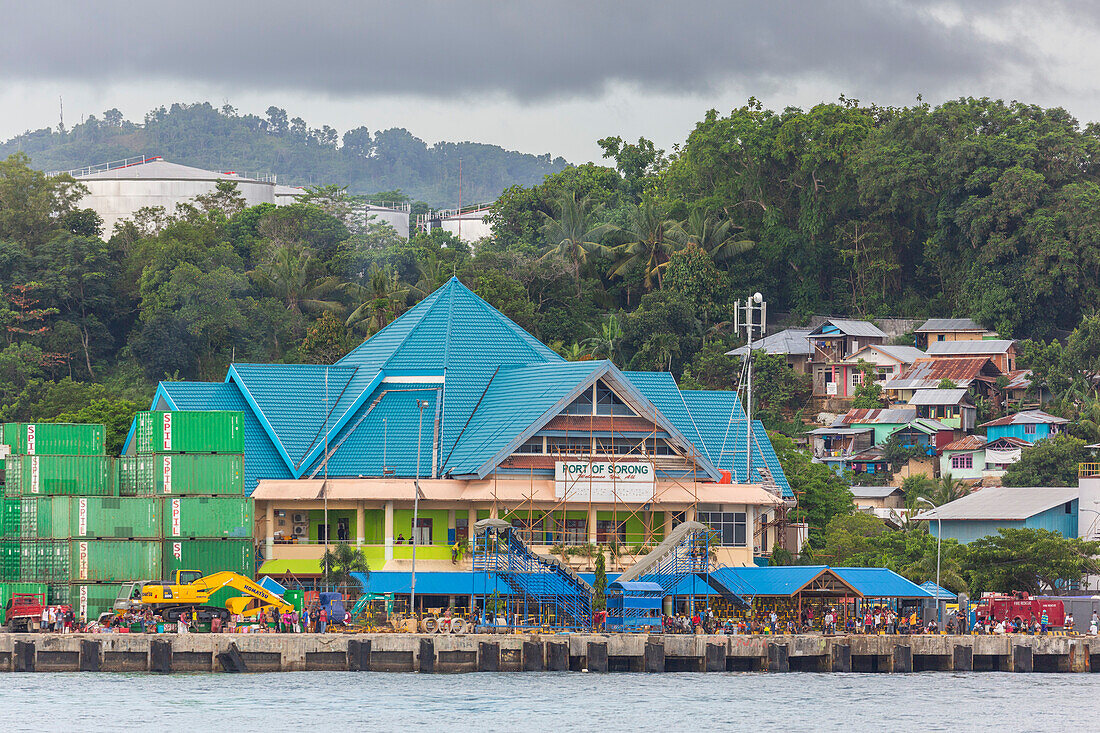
(166, 653)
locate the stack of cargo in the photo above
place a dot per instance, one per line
(84, 525)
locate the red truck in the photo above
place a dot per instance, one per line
(1019, 607)
(24, 611)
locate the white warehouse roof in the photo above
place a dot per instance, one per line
(1003, 502)
(159, 169)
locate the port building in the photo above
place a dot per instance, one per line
(455, 412)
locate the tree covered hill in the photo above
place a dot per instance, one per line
(222, 139)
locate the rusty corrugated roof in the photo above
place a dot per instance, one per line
(927, 373)
(970, 442)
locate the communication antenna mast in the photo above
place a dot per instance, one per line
(752, 318)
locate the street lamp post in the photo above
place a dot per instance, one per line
(939, 539)
(421, 404)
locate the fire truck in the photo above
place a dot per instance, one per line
(1019, 607)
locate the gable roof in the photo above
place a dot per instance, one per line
(969, 442)
(961, 348)
(874, 492)
(900, 354)
(847, 328)
(790, 341)
(927, 373)
(1002, 502)
(942, 325)
(890, 416)
(1027, 417)
(940, 397)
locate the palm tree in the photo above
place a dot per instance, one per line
(432, 273)
(716, 238)
(662, 347)
(381, 302)
(649, 242)
(575, 352)
(339, 562)
(574, 233)
(604, 342)
(288, 274)
(947, 490)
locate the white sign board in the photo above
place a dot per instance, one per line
(604, 482)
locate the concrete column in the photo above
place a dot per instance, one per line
(360, 521)
(689, 514)
(388, 530)
(592, 526)
(270, 540)
(471, 520)
(493, 514)
(451, 526)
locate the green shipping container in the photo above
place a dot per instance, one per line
(10, 513)
(114, 561)
(62, 475)
(208, 556)
(45, 518)
(9, 561)
(112, 517)
(7, 590)
(197, 474)
(55, 439)
(207, 517)
(89, 600)
(28, 562)
(190, 432)
(52, 561)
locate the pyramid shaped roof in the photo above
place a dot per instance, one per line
(452, 328)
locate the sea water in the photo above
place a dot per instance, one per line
(550, 702)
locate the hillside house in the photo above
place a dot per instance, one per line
(952, 407)
(925, 433)
(977, 373)
(950, 329)
(889, 361)
(1002, 453)
(883, 422)
(833, 342)
(1029, 426)
(964, 458)
(1002, 352)
(792, 343)
(834, 445)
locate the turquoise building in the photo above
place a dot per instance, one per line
(1029, 425)
(984, 512)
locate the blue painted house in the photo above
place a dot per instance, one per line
(1029, 425)
(984, 512)
(459, 406)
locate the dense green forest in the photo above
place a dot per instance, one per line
(222, 139)
(975, 207)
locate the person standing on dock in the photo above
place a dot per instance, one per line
(322, 620)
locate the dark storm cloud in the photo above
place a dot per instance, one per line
(526, 50)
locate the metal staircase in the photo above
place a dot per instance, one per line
(546, 592)
(686, 551)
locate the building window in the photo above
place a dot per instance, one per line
(1069, 507)
(582, 405)
(857, 377)
(1029, 429)
(606, 531)
(571, 446)
(422, 532)
(963, 460)
(730, 527)
(576, 532)
(608, 403)
(534, 445)
(941, 337)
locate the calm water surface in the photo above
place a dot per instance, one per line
(548, 702)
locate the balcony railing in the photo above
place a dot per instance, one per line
(1087, 470)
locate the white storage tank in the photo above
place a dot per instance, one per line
(115, 193)
(469, 226)
(397, 216)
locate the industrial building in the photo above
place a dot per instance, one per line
(455, 412)
(117, 190)
(469, 223)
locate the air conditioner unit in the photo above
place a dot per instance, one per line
(299, 531)
(301, 518)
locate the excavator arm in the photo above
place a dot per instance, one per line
(249, 589)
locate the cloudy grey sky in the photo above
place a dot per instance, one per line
(536, 76)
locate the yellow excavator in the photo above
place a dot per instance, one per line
(220, 594)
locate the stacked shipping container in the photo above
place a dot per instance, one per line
(84, 523)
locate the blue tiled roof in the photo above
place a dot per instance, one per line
(881, 583)
(262, 459)
(488, 384)
(512, 403)
(789, 579)
(451, 328)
